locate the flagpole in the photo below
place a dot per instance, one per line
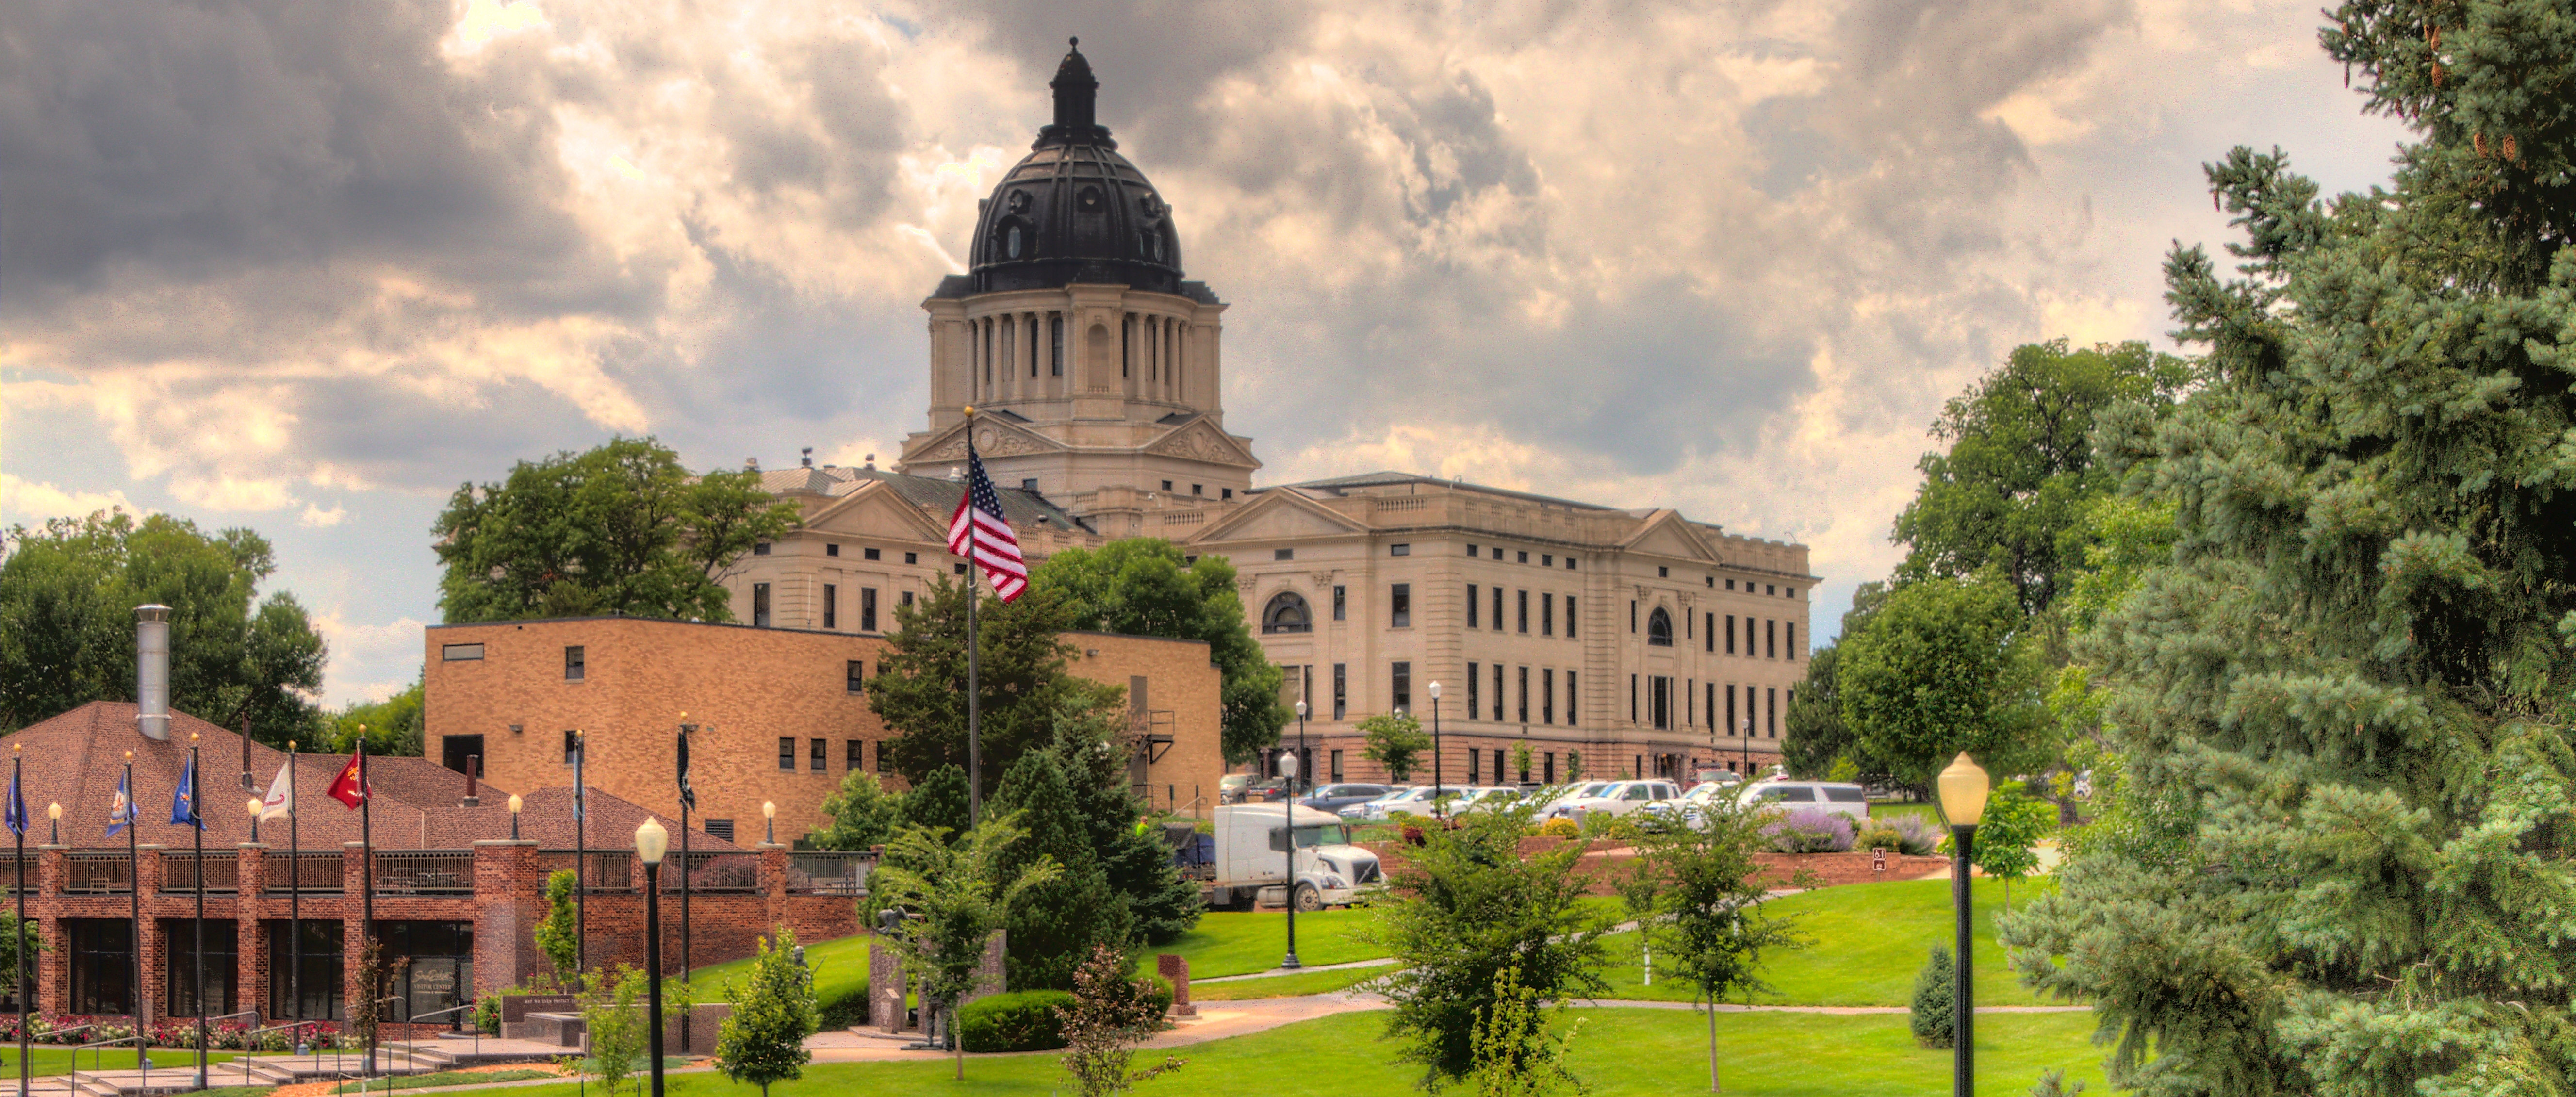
(197, 836)
(294, 893)
(134, 896)
(367, 931)
(580, 859)
(974, 692)
(686, 794)
(18, 944)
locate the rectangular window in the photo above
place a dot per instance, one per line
(867, 609)
(1520, 557)
(1709, 634)
(1730, 634)
(574, 663)
(907, 598)
(1569, 563)
(1632, 616)
(760, 605)
(1546, 614)
(1471, 550)
(1498, 766)
(1474, 707)
(1770, 639)
(1497, 551)
(1660, 692)
(1690, 703)
(787, 753)
(1523, 617)
(1771, 712)
(1337, 767)
(820, 756)
(1028, 483)
(221, 945)
(1524, 705)
(314, 992)
(760, 548)
(715, 828)
(855, 754)
(873, 554)
(831, 606)
(102, 964)
(1399, 606)
(1341, 688)
(1789, 638)
(1569, 617)
(1731, 727)
(458, 653)
(1550, 762)
(1498, 691)
(1399, 550)
(1402, 682)
(912, 557)
(572, 746)
(1339, 613)
(1546, 695)
(1283, 554)
(855, 683)
(1749, 645)
(1546, 560)
(1570, 703)
(1686, 625)
(1632, 698)
(1471, 605)
(1498, 609)
(1472, 757)
(1055, 344)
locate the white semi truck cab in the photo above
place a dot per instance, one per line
(1251, 860)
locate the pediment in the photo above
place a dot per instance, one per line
(1667, 534)
(876, 509)
(994, 437)
(1200, 440)
(1278, 516)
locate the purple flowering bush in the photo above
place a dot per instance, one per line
(1808, 830)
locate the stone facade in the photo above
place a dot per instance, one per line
(763, 700)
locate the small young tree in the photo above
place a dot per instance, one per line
(1573, 766)
(558, 932)
(951, 898)
(1517, 1053)
(2013, 823)
(764, 1040)
(1934, 1016)
(614, 1016)
(1475, 907)
(1697, 895)
(18, 939)
(1520, 760)
(1111, 1014)
(1396, 741)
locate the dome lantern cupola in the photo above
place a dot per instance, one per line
(1074, 210)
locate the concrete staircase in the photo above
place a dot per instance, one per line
(393, 1059)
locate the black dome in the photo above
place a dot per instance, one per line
(1074, 210)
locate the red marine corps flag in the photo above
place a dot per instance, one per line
(350, 787)
(979, 533)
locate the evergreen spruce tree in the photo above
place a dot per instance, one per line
(2339, 861)
(938, 802)
(1934, 1016)
(1054, 925)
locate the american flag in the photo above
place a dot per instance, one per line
(979, 533)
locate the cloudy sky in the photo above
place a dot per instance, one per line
(307, 265)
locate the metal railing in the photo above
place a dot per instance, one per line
(460, 1012)
(437, 872)
(9, 874)
(179, 872)
(294, 1047)
(97, 874)
(829, 873)
(609, 870)
(309, 873)
(98, 1055)
(718, 874)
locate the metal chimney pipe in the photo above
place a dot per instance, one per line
(152, 671)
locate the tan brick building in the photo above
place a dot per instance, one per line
(1638, 638)
(780, 713)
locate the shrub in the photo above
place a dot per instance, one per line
(1878, 834)
(1110, 1016)
(1917, 836)
(1809, 831)
(1024, 1020)
(1560, 827)
(1935, 998)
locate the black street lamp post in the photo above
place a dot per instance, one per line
(1963, 800)
(1288, 832)
(652, 840)
(1437, 811)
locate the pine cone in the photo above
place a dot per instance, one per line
(2479, 142)
(2511, 151)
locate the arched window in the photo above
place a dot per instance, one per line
(1287, 612)
(1659, 629)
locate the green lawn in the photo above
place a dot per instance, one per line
(1889, 809)
(840, 972)
(58, 1060)
(1870, 941)
(1620, 1052)
(1284, 986)
(442, 1078)
(1227, 943)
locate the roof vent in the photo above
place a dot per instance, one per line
(751, 464)
(152, 671)
(955, 474)
(872, 462)
(809, 456)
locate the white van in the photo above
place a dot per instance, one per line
(1830, 797)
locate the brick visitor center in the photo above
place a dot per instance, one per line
(458, 883)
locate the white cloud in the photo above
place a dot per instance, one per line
(27, 502)
(386, 649)
(315, 517)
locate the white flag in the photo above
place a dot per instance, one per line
(281, 793)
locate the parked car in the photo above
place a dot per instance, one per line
(1416, 800)
(1690, 804)
(1229, 788)
(1616, 798)
(1831, 797)
(1465, 798)
(1713, 777)
(1570, 793)
(1334, 798)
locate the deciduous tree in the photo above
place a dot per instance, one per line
(1143, 586)
(1944, 666)
(920, 690)
(1396, 741)
(763, 1041)
(951, 896)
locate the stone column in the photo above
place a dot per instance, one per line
(250, 941)
(1176, 970)
(773, 884)
(155, 946)
(885, 989)
(353, 921)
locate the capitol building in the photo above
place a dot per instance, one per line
(1607, 640)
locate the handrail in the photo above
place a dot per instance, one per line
(98, 1058)
(250, 1039)
(460, 1013)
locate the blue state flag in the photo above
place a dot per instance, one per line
(183, 801)
(120, 811)
(16, 815)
